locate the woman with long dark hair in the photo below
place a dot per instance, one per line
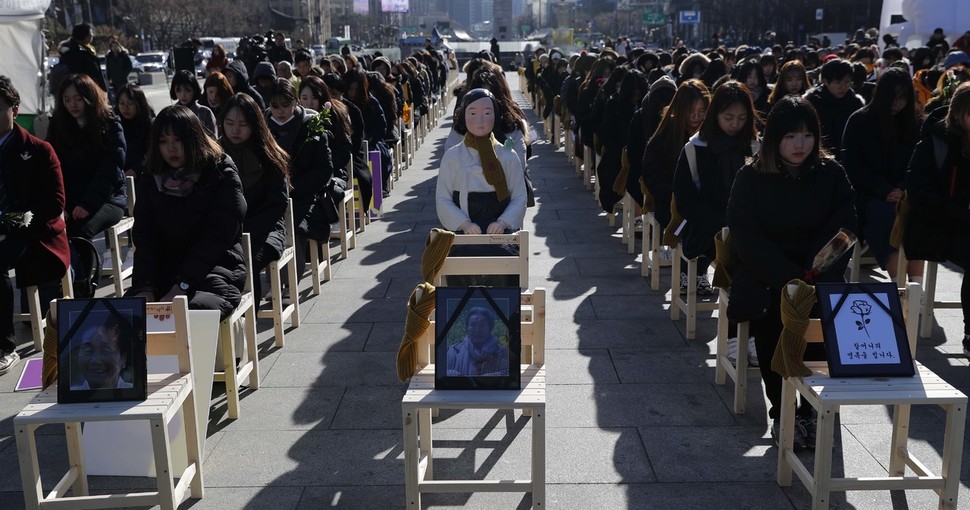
(185, 91)
(725, 139)
(189, 218)
(751, 74)
(316, 95)
(263, 168)
(357, 91)
(136, 119)
(90, 143)
(784, 207)
(614, 129)
(682, 118)
(302, 134)
(878, 143)
(792, 80)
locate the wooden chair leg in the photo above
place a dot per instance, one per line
(227, 341)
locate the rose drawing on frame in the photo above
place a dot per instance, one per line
(862, 308)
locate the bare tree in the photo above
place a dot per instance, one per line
(171, 22)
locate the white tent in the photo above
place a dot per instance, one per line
(23, 50)
(922, 17)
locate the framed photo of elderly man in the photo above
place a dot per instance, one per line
(863, 330)
(478, 338)
(101, 351)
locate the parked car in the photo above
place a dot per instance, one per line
(318, 50)
(152, 62)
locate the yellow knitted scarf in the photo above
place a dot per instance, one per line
(494, 175)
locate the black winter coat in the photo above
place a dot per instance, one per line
(265, 202)
(778, 224)
(704, 205)
(874, 167)
(584, 113)
(94, 176)
(196, 239)
(242, 82)
(81, 60)
(613, 131)
(635, 145)
(657, 167)
(833, 114)
(137, 141)
(939, 193)
(311, 164)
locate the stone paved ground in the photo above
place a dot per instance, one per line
(634, 418)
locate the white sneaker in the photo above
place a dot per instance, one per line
(335, 228)
(704, 287)
(732, 349)
(752, 353)
(8, 361)
(666, 253)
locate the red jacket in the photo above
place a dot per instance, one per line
(32, 175)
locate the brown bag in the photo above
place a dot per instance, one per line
(619, 185)
(671, 239)
(649, 204)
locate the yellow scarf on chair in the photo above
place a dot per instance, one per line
(494, 175)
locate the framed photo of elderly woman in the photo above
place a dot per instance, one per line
(863, 330)
(478, 338)
(101, 351)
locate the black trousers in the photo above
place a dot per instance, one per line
(766, 332)
(97, 222)
(11, 249)
(960, 255)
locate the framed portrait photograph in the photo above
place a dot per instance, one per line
(478, 340)
(864, 331)
(101, 351)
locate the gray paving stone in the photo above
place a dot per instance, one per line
(306, 458)
(626, 307)
(352, 497)
(338, 369)
(569, 367)
(638, 366)
(332, 336)
(369, 408)
(281, 409)
(641, 333)
(691, 496)
(632, 405)
(713, 454)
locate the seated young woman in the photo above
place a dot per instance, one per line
(784, 207)
(264, 171)
(189, 218)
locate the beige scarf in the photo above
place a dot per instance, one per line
(491, 167)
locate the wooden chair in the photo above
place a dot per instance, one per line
(723, 367)
(860, 257)
(320, 270)
(278, 312)
(652, 250)
(629, 223)
(34, 316)
(827, 395)
(489, 265)
(589, 173)
(348, 225)
(421, 398)
(364, 213)
(691, 305)
(930, 302)
(113, 236)
(167, 394)
(243, 317)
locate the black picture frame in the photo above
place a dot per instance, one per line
(459, 308)
(864, 330)
(89, 367)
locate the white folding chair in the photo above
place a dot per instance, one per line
(113, 235)
(277, 311)
(243, 317)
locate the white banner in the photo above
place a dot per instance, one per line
(23, 9)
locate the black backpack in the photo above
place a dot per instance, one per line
(56, 76)
(86, 267)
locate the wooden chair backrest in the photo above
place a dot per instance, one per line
(130, 189)
(499, 265)
(909, 299)
(247, 250)
(533, 332)
(289, 228)
(177, 342)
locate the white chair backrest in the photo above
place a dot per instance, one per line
(533, 332)
(491, 265)
(247, 250)
(130, 188)
(177, 342)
